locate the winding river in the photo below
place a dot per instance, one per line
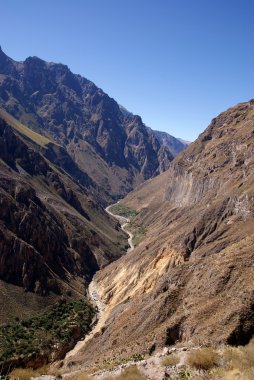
(94, 296)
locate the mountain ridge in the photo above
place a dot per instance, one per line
(114, 148)
(67, 150)
(54, 234)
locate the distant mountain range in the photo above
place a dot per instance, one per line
(111, 145)
(172, 143)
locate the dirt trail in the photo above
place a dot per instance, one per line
(94, 297)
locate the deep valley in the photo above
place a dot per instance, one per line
(164, 275)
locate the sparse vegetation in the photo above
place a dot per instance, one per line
(241, 358)
(124, 211)
(26, 373)
(129, 213)
(238, 362)
(170, 360)
(78, 376)
(109, 364)
(227, 363)
(203, 358)
(137, 231)
(45, 333)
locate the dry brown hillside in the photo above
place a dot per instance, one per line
(191, 278)
(53, 234)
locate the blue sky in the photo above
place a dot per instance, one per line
(176, 63)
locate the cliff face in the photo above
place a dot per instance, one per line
(112, 146)
(175, 145)
(218, 162)
(190, 279)
(53, 235)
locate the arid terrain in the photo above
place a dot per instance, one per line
(190, 279)
(144, 287)
(66, 151)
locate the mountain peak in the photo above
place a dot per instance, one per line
(4, 59)
(7, 65)
(1, 52)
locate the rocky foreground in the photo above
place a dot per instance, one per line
(196, 363)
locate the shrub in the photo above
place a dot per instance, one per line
(204, 358)
(241, 358)
(171, 360)
(137, 357)
(123, 210)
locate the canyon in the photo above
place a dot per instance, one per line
(67, 150)
(108, 143)
(174, 269)
(189, 280)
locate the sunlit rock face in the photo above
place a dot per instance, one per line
(111, 145)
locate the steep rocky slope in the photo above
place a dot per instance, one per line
(191, 279)
(111, 145)
(53, 234)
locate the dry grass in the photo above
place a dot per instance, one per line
(239, 362)
(26, 373)
(36, 137)
(203, 358)
(78, 376)
(170, 360)
(131, 373)
(233, 374)
(241, 358)
(232, 363)
(109, 364)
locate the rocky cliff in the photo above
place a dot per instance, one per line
(53, 235)
(190, 280)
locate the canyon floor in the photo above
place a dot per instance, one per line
(175, 362)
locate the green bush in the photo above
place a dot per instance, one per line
(122, 210)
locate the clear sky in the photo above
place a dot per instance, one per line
(176, 63)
